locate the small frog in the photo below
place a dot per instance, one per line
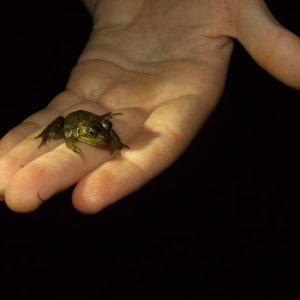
(86, 127)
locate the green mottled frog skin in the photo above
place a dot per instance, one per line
(86, 127)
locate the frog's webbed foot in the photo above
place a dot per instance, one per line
(53, 131)
(116, 144)
(70, 143)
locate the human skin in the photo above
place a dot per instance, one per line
(163, 64)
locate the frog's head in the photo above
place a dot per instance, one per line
(95, 133)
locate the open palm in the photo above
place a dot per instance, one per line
(163, 65)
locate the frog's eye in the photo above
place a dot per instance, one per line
(106, 124)
(92, 131)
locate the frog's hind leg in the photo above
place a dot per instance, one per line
(53, 131)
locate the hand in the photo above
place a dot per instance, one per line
(163, 64)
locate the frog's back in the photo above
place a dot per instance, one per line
(74, 118)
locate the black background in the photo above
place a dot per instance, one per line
(223, 220)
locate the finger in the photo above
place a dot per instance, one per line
(273, 47)
(163, 138)
(58, 105)
(19, 156)
(62, 168)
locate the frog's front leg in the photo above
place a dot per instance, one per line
(53, 131)
(70, 143)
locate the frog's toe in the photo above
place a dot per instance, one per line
(44, 141)
(117, 148)
(41, 143)
(78, 151)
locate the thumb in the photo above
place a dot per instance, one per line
(273, 47)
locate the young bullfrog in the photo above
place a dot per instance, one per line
(86, 127)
